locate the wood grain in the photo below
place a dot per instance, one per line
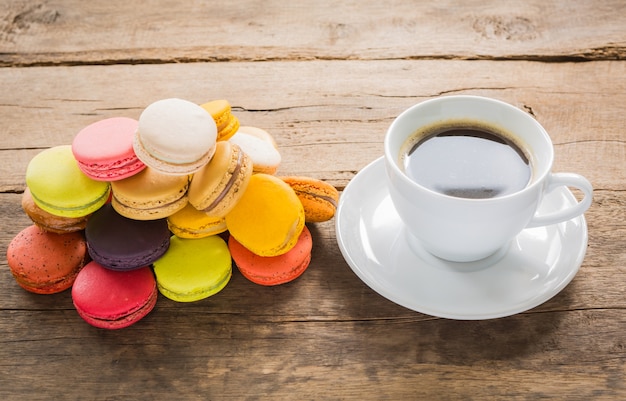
(74, 32)
(346, 113)
(326, 79)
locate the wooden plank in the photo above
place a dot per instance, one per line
(199, 355)
(333, 76)
(331, 114)
(78, 32)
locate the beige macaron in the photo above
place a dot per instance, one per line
(260, 146)
(217, 187)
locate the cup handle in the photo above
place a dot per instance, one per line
(569, 180)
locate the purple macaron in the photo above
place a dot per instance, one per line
(119, 243)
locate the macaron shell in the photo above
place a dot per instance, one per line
(113, 300)
(277, 269)
(59, 187)
(217, 187)
(46, 263)
(150, 195)
(50, 222)
(229, 130)
(175, 136)
(120, 243)
(268, 218)
(193, 269)
(227, 124)
(104, 149)
(318, 197)
(259, 133)
(265, 157)
(219, 110)
(193, 223)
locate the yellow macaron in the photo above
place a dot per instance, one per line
(193, 223)
(227, 123)
(268, 218)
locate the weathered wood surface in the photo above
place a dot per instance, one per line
(78, 32)
(326, 80)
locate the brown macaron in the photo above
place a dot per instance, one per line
(48, 221)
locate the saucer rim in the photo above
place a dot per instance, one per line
(566, 276)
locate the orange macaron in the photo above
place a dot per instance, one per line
(318, 197)
(273, 270)
(44, 262)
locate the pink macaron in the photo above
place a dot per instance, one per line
(104, 149)
(111, 299)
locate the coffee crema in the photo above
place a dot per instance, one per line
(466, 159)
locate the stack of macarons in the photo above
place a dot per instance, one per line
(163, 204)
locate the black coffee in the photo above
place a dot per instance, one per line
(466, 162)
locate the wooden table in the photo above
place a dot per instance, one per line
(326, 79)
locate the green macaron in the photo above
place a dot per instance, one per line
(193, 269)
(59, 187)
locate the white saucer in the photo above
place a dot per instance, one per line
(538, 263)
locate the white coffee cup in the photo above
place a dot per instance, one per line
(463, 229)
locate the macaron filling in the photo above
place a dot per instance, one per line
(177, 160)
(292, 235)
(156, 206)
(206, 230)
(276, 278)
(231, 181)
(328, 199)
(87, 207)
(119, 168)
(122, 320)
(201, 293)
(128, 262)
(197, 228)
(55, 285)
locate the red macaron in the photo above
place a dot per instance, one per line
(273, 270)
(111, 299)
(44, 262)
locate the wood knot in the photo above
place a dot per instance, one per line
(339, 31)
(506, 28)
(21, 20)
